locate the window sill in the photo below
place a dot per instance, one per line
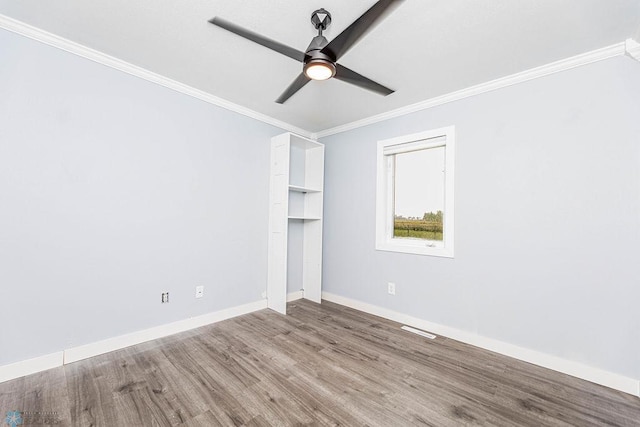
(415, 249)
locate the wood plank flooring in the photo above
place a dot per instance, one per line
(320, 365)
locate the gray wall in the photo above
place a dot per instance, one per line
(547, 218)
(112, 190)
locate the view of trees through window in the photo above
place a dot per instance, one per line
(419, 194)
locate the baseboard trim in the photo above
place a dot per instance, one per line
(74, 354)
(292, 296)
(565, 366)
(30, 366)
(111, 344)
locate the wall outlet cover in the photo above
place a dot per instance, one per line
(391, 288)
(199, 291)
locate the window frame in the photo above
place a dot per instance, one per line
(385, 192)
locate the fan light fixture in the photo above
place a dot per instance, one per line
(319, 69)
(321, 56)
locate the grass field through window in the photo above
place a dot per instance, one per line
(417, 229)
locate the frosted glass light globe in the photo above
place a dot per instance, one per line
(318, 71)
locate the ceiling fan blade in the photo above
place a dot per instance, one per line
(354, 32)
(350, 76)
(257, 38)
(295, 86)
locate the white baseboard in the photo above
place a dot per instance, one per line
(292, 296)
(100, 347)
(53, 360)
(31, 366)
(569, 367)
(579, 370)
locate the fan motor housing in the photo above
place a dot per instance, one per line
(314, 55)
(317, 43)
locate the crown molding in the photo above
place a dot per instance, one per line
(617, 49)
(632, 49)
(50, 39)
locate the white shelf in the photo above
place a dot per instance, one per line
(306, 218)
(299, 189)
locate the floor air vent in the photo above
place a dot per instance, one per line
(419, 332)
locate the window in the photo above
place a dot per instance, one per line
(414, 212)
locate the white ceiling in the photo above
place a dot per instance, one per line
(424, 49)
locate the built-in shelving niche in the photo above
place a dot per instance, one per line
(295, 239)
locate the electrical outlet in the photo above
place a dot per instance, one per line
(264, 294)
(165, 297)
(199, 291)
(391, 288)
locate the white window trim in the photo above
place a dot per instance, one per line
(384, 193)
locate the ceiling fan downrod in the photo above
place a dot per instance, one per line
(319, 65)
(321, 19)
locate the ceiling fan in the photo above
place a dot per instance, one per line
(320, 58)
